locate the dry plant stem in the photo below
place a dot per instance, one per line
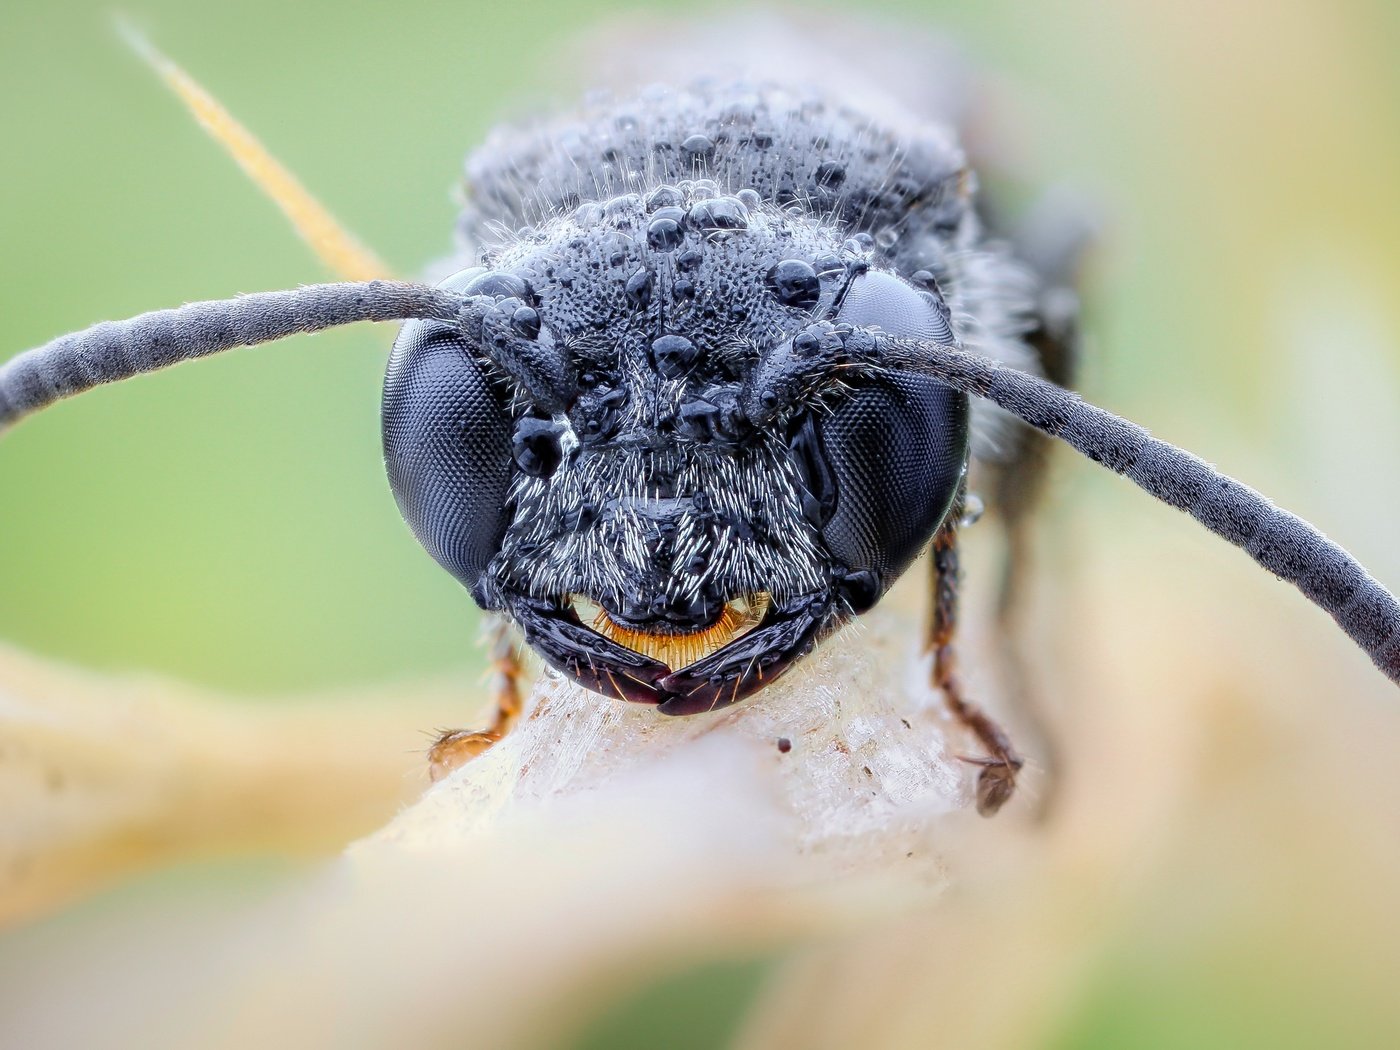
(997, 781)
(103, 777)
(454, 747)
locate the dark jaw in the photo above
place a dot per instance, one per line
(720, 679)
(591, 660)
(748, 664)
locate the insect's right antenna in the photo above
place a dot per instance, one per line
(1282, 543)
(116, 350)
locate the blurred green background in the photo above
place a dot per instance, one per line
(229, 523)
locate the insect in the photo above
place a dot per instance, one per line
(709, 380)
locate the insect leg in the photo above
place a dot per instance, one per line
(1016, 489)
(455, 747)
(997, 780)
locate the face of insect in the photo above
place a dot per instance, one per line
(608, 488)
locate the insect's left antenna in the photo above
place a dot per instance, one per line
(116, 350)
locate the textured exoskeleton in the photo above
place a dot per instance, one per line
(653, 251)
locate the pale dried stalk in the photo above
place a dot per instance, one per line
(452, 929)
(597, 834)
(849, 747)
(101, 777)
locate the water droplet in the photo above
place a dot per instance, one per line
(499, 284)
(621, 211)
(664, 232)
(664, 197)
(795, 283)
(697, 419)
(830, 175)
(887, 237)
(589, 214)
(459, 280)
(526, 321)
(697, 146)
(638, 289)
(673, 355)
(722, 213)
(690, 259)
(973, 508)
(536, 446)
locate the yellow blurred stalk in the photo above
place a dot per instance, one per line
(102, 777)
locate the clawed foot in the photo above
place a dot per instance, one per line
(456, 747)
(997, 781)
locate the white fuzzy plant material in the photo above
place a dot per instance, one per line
(847, 757)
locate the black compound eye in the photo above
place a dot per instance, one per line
(447, 449)
(894, 449)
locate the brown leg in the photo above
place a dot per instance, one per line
(1016, 492)
(997, 781)
(454, 747)
(1052, 238)
(1016, 488)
